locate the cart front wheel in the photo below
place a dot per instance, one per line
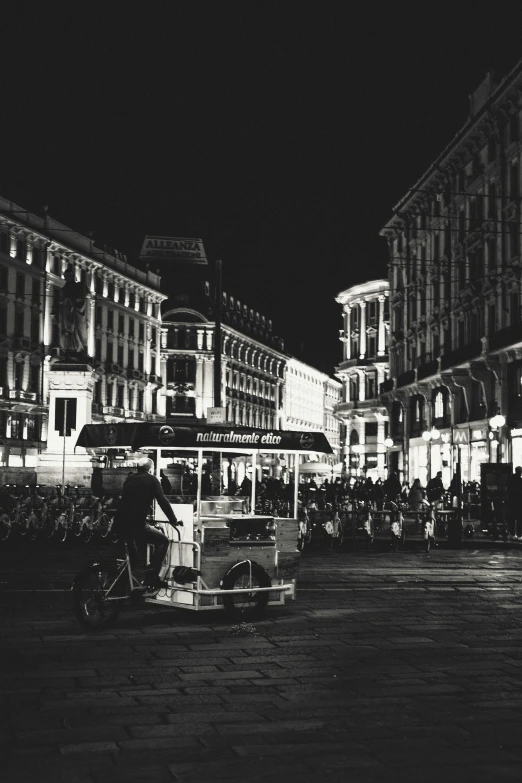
(244, 576)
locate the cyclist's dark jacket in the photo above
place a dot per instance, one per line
(139, 491)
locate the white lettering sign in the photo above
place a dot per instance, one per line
(216, 415)
(173, 249)
(269, 438)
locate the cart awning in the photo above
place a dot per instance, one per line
(144, 435)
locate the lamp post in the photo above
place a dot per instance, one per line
(356, 448)
(496, 423)
(388, 444)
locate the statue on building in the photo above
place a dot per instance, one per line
(70, 312)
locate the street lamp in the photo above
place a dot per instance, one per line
(357, 449)
(388, 443)
(497, 421)
(427, 436)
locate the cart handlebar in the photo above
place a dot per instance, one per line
(160, 524)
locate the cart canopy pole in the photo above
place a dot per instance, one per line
(296, 486)
(253, 489)
(198, 496)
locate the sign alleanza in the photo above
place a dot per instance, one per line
(178, 249)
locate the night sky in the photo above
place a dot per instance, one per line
(282, 134)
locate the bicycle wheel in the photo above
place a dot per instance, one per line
(76, 525)
(60, 533)
(98, 598)
(5, 527)
(244, 606)
(113, 536)
(87, 532)
(48, 527)
(104, 525)
(33, 530)
(22, 524)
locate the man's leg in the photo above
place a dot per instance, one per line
(160, 543)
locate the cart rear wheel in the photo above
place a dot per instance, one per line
(96, 603)
(245, 605)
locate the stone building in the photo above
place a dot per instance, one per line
(122, 333)
(363, 369)
(456, 334)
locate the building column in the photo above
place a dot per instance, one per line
(25, 373)
(199, 388)
(147, 357)
(10, 370)
(207, 384)
(362, 384)
(362, 332)
(381, 448)
(45, 384)
(381, 343)
(91, 309)
(47, 314)
(347, 330)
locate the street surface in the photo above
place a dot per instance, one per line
(388, 667)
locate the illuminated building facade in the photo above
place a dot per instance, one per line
(456, 333)
(123, 333)
(252, 366)
(363, 369)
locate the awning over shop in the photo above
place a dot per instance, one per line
(143, 435)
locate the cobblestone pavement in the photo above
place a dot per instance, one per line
(388, 666)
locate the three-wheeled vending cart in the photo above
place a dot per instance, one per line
(236, 559)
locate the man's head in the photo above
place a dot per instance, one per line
(145, 465)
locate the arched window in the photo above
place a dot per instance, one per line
(438, 405)
(440, 409)
(417, 413)
(354, 389)
(397, 419)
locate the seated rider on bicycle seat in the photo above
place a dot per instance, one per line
(139, 491)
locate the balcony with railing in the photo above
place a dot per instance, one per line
(405, 378)
(138, 415)
(504, 338)
(113, 411)
(427, 366)
(23, 396)
(356, 361)
(461, 354)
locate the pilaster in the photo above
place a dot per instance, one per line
(381, 346)
(362, 332)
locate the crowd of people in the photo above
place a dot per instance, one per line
(275, 493)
